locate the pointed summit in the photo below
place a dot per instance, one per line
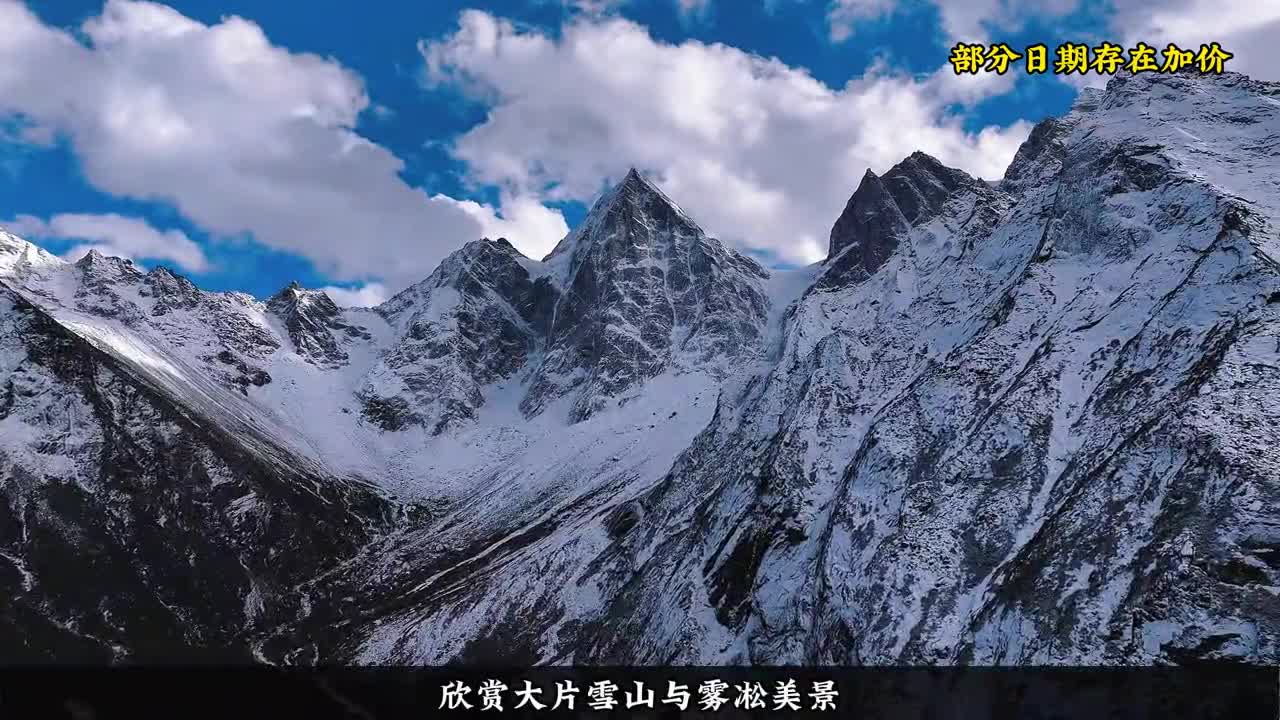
(633, 198)
(97, 268)
(920, 186)
(635, 182)
(882, 211)
(472, 322)
(95, 258)
(19, 257)
(871, 224)
(314, 323)
(171, 290)
(294, 298)
(635, 186)
(639, 282)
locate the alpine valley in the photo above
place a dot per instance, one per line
(1025, 421)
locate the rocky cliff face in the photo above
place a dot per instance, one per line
(642, 289)
(882, 211)
(1002, 446)
(314, 325)
(1029, 421)
(132, 528)
(475, 321)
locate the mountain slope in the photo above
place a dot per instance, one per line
(475, 321)
(1001, 446)
(1020, 422)
(132, 528)
(1004, 440)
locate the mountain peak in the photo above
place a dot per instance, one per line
(101, 268)
(885, 207)
(631, 198)
(314, 323)
(871, 224)
(634, 185)
(93, 258)
(172, 288)
(486, 244)
(295, 298)
(17, 256)
(920, 185)
(637, 277)
(634, 189)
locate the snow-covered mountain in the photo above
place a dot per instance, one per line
(1025, 421)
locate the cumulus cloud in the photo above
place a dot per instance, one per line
(366, 295)
(112, 234)
(240, 135)
(1247, 29)
(974, 20)
(761, 153)
(528, 224)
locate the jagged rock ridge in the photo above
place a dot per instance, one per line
(1029, 421)
(314, 324)
(642, 287)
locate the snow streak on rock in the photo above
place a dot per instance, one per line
(1030, 421)
(643, 290)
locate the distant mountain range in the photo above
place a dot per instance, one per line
(1031, 421)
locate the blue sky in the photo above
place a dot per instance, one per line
(352, 145)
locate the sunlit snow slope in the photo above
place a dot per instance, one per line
(1030, 421)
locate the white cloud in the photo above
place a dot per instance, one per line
(844, 15)
(528, 224)
(1247, 29)
(761, 153)
(973, 20)
(238, 134)
(112, 234)
(367, 295)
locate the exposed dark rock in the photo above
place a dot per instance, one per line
(1021, 423)
(641, 283)
(312, 319)
(166, 539)
(867, 232)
